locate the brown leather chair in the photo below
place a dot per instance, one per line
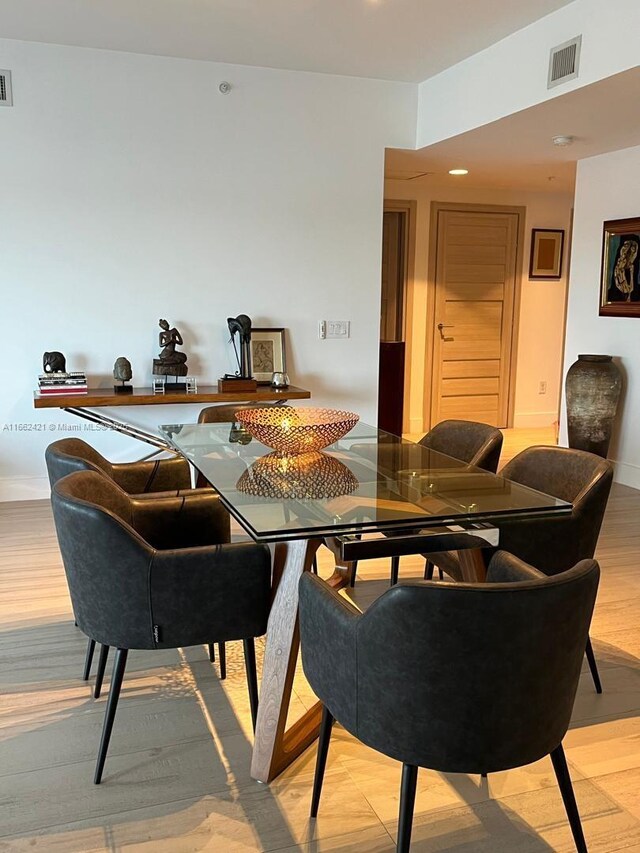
(552, 545)
(136, 584)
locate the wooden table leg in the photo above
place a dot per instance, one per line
(472, 565)
(275, 747)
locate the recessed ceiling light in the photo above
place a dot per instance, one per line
(458, 171)
(562, 141)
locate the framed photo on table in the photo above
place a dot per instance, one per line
(267, 354)
(547, 245)
(620, 270)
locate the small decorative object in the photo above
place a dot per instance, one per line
(593, 388)
(158, 385)
(192, 385)
(279, 380)
(241, 380)
(309, 476)
(54, 362)
(291, 431)
(620, 273)
(546, 253)
(267, 354)
(122, 371)
(170, 362)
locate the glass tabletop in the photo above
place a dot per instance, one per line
(369, 480)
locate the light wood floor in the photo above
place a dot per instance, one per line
(177, 776)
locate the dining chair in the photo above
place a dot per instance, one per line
(448, 676)
(134, 586)
(552, 545)
(146, 479)
(477, 444)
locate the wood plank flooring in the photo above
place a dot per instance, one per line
(177, 776)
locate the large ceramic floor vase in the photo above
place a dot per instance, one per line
(593, 388)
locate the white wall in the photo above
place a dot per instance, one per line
(133, 190)
(608, 187)
(542, 308)
(511, 75)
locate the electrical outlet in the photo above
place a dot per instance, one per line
(542, 388)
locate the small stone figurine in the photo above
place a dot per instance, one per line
(122, 372)
(170, 362)
(54, 362)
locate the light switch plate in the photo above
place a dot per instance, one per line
(338, 328)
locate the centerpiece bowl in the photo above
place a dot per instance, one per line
(292, 430)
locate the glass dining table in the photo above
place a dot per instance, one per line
(371, 494)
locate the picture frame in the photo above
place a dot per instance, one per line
(267, 354)
(620, 268)
(547, 248)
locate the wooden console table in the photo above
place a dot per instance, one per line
(81, 405)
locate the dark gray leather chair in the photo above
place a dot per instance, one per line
(552, 545)
(159, 475)
(150, 479)
(459, 678)
(472, 442)
(133, 586)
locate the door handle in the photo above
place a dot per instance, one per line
(442, 326)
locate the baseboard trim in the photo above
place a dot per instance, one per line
(626, 474)
(24, 489)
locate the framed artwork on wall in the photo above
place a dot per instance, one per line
(620, 270)
(267, 354)
(547, 245)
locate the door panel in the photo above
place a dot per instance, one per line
(474, 299)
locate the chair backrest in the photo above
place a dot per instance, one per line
(469, 678)
(126, 593)
(576, 476)
(72, 454)
(222, 413)
(475, 443)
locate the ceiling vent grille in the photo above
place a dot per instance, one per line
(6, 97)
(564, 62)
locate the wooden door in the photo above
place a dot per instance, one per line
(392, 345)
(475, 283)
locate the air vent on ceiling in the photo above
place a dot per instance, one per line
(6, 98)
(564, 61)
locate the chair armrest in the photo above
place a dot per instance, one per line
(505, 568)
(328, 625)
(157, 475)
(183, 521)
(212, 594)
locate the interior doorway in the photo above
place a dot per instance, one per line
(392, 364)
(474, 264)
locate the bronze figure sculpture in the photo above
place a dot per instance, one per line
(170, 362)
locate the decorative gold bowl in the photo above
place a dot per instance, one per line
(306, 476)
(289, 430)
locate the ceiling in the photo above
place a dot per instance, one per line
(517, 153)
(406, 40)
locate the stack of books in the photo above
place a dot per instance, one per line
(62, 383)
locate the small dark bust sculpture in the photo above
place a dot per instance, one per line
(54, 362)
(170, 362)
(122, 371)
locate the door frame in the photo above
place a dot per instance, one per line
(410, 208)
(436, 207)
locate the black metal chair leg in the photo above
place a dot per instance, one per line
(428, 570)
(321, 760)
(593, 666)
(407, 802)
(395, 569)
(102, 663)
(568, 797)
(222, 654)
(119, 666)
(212, 652)
(91, 645)
(252, 677)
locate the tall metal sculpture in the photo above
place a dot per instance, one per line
(241, 325)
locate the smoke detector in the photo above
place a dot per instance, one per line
(562, 141)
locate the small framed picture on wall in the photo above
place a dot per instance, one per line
(547, 246)
(620, 270)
